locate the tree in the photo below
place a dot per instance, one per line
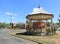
(58, 21)
(20, 25)
(3, 25)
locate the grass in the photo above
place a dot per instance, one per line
(48, 42)
(36, 39)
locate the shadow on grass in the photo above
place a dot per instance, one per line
(28, 34)
(25, 33)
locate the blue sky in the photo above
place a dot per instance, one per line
(21, 8)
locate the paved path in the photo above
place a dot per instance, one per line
(5, 38)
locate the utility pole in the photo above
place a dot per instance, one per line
(59, 18)
(12, 15)
(11, 22)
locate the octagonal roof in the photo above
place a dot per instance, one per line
(39, 14)
(39, 10)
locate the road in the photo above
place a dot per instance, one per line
(5, 38)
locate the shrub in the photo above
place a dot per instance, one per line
(50, 31)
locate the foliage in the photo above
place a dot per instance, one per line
(50, 31)
(3, 25)
(20, 25)
(59, 20)
(33, 31)
(7, 25)
(30, 30)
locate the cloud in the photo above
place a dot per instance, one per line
(10, 13)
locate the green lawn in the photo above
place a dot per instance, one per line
(35, 39)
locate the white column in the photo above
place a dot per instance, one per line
(46, 21)
(30, 23)
(51, 21)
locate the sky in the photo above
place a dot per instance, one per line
(21, 8)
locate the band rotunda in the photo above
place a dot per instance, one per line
(37, 20)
